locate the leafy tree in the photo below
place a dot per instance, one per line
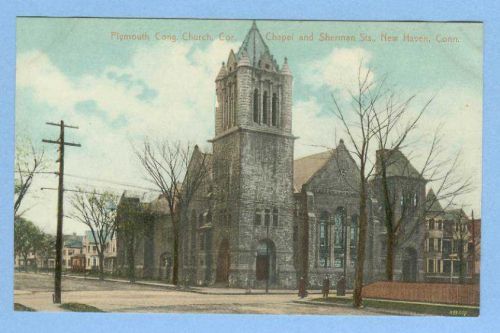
(27, 238)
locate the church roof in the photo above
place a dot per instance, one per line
(254, 47)
(397, 164)
(306, 167)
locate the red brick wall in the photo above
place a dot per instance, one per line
(465, 294)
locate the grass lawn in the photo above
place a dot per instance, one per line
(421, 308)
(79, 307)
(20, 307)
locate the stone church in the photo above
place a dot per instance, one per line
(260, 218)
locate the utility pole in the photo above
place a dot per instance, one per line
(59, 237)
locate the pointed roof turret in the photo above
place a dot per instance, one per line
(222, 72)
(286, 71)
(244, 61)
(254, 46)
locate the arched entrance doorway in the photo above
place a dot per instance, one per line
(223, 263)
(409, 265)
(265, 264)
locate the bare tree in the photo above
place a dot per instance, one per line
(98, 212)
(28, 163)
(128, 225)
(358, 123)
(404, 213)
(461, 226)
(177, 170)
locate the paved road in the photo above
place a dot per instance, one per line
(35, 290)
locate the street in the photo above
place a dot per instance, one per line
(35, 291)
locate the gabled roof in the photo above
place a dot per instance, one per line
(73, 241)
(306, 167)
(91, 239)
(396, 164)
(432, 203)
(254, 46)
(143, 197)
(455, 214)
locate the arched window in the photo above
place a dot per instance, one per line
(233, 117)
(258, 217)
(274, 111)
(354, 236)
(224, 112)
(256, 105)
(267, 217)
(230, 108)
(275, 217)
(339, 236)
(264, 108)
(324, 241)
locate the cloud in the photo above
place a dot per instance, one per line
(164, 92)
(455, 110)
(315, 129)
(339, 70)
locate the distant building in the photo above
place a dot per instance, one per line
(72, 247)
(451, 245)
(90, 256)
(90, 252)
(143, 220)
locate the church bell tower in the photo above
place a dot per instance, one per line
(253, 168)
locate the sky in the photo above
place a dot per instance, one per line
(119, 91)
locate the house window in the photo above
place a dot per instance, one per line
(274, 111)
(339, 236)
(324, 242)
(275, 217)
(431, 225)
(256, 105)
(431, 244)
(264, 108)
(430, 265)
(258, 217)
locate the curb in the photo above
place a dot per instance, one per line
(187, 289)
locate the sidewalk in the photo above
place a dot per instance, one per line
(398, 307)
(199, 290)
